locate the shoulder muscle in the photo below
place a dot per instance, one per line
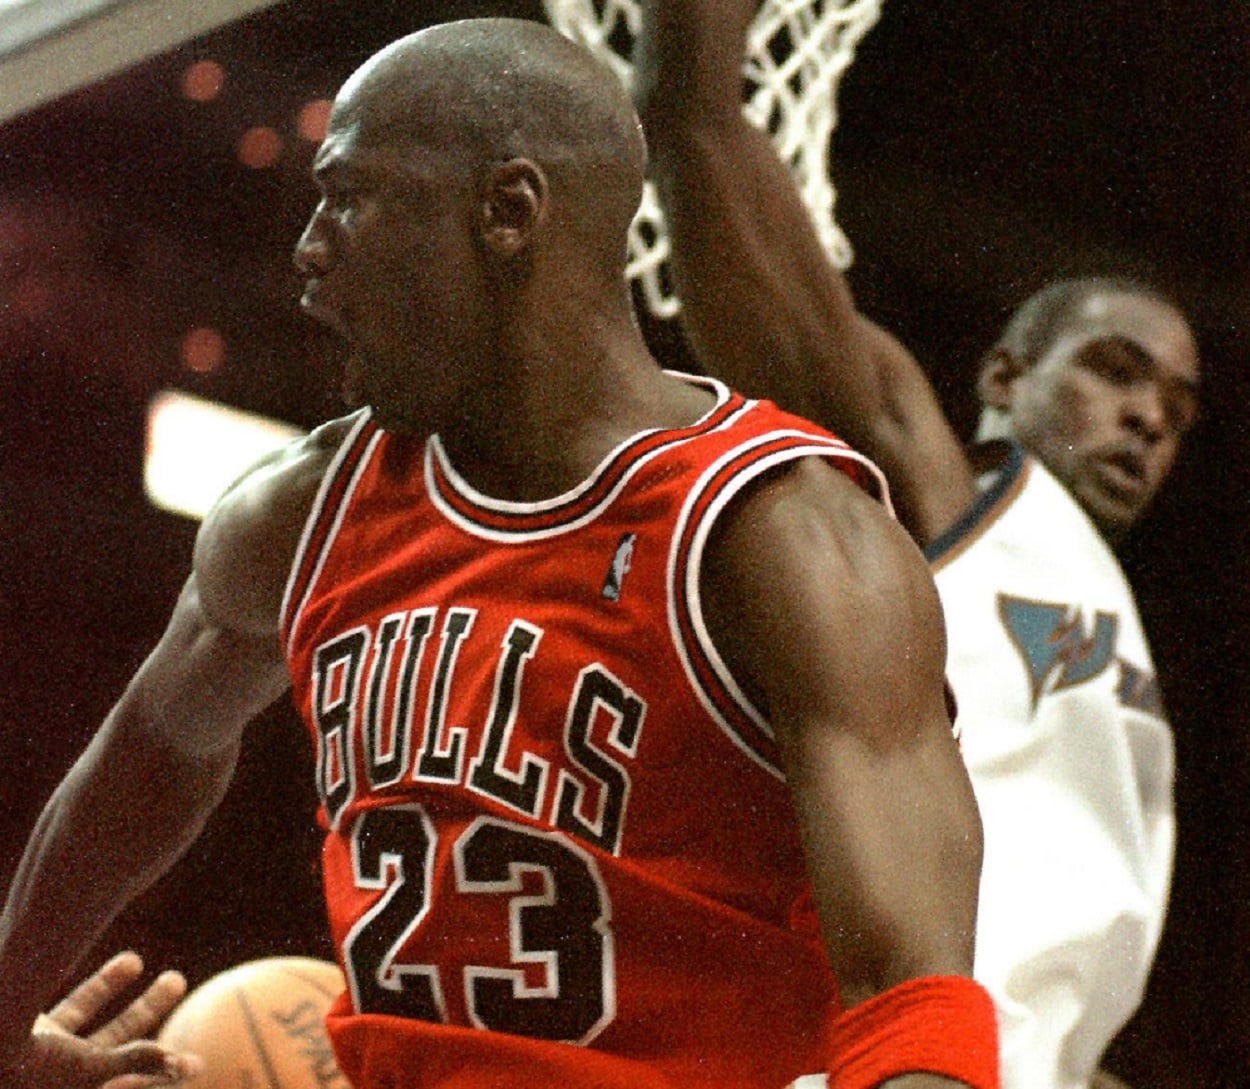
(810, 587)
(247, 542)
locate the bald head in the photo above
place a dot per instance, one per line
(499, 89)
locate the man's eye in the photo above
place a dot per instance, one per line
(1111, 371)
(344, 199)
(1113, 364)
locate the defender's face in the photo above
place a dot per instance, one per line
(392, 267)
(1106, 407)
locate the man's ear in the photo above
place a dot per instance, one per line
(997, 378)
(514, 203)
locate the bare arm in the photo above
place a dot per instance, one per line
(133, 802)
(763, 306)
(156, 769)
(825, 609)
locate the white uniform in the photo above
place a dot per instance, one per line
(1071, 758)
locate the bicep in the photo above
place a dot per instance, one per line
(204, 681)
(828, 610)
(220, 660)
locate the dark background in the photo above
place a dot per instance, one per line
(984, 148)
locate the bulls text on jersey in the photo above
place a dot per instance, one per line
(361, 674)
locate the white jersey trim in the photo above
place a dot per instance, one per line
(293, 615)
(683, 576)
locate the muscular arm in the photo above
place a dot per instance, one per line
(160, 763)
(763, 306)
(134, 801)
(826, 611)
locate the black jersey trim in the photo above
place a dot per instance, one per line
(501, 520)
(709, 676)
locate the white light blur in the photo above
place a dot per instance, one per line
(196, 448)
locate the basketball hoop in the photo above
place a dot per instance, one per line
(796, 52)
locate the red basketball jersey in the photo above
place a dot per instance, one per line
(550, 811)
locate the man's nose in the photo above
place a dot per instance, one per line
(1145, 411)
(312, 251)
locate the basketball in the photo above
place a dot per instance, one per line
(260, 1026)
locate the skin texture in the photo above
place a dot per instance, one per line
(473, 260)
(764, 308)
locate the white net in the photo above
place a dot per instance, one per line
(796, 52)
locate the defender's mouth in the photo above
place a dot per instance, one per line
(1124, 472)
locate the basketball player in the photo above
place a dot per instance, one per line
(606, 668)
(1087, 397)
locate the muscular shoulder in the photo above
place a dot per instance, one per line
(811, 515)
(247, 542)
(808, 579)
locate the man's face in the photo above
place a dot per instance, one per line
(391, 266)
(1107, 404)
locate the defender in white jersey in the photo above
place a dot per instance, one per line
(1060, 716)
(1063, 733)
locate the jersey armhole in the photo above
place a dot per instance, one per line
(324, 519)
(706, 670)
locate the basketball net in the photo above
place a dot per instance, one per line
(796, 52)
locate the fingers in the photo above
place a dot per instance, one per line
(91, 996)
(70, 1062)
(145, 1013)
(144, 1065)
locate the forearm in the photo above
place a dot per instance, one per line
(896, 894)
(127, 810)
(688, 57)
(762, 305)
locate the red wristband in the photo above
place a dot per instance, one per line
(936, 1025)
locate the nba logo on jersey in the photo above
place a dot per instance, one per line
(620, 565)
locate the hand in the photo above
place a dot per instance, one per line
(114, 1056)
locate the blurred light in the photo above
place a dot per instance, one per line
(259, 147)
(197, 448)
(203, 350)
(203, 80)
(313, 119)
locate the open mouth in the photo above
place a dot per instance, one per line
(312, 305)
(1124, 473)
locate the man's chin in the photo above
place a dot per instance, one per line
(1113, 516)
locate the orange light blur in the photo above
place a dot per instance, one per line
(203, 350)
(259, 147)
(203, 80)
(313, 118)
